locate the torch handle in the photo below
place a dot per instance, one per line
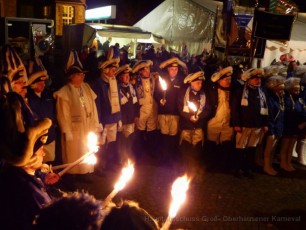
(164, 95)
(60, 166)
(71, 165)
(167, 224)
(109, 198)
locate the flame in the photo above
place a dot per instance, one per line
(178, 193)
(192, 106)
(91, 159)
(126, 174)
(92, 141)
(163, 83)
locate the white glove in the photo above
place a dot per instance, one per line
(68, 136)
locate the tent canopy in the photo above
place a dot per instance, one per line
(182, 21)
(119, 31)
(191, 23)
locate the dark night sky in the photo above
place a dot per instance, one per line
(128, 11)
(131, 11)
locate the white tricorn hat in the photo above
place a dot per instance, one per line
(251, 73)
(194, 77)
(227, 71)
(123, 69)
(141, 64)
(173, 62)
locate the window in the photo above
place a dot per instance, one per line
(68, 15)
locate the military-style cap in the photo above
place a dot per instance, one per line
(194, 77)
(252, 73)
(282, 70)
(123, 69)
(300, 70)
(271, 70)
(173, 62)
(112, 59)
(37, 71)
(227, 71)
(275, 81)
(293, 83)
(74, 64)
(141, 64)
(38, 76)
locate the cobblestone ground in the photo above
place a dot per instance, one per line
(215, 201)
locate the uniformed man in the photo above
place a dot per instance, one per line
(146, 123)
(168, 115)
(193, 111)
(129, 112)
(249, 117)
(43, 105)
(108, 105)
(219, 144)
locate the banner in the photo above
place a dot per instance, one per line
(272, 26)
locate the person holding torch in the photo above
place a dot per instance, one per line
(168, 116)
(193, 111)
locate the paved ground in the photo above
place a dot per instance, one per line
(216, 201)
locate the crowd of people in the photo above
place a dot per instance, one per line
(195, 115)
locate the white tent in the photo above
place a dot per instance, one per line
(191, 22)
(182, 22)
(125, 35)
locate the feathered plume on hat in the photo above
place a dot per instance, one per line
(37, 71)
(74, 65)
(112, 58)
(11, 63)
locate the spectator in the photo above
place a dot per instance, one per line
(128, 216)
(22, 194)
(74, 211)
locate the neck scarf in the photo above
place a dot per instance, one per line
(263, 101)
(186, 99)
(140, 87)
(124, 98)
(113, 94)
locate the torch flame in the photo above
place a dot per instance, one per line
(126, 174)
(178, 193)
(92, 141)
(91, 160)
(192, 106)
(163, 83)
